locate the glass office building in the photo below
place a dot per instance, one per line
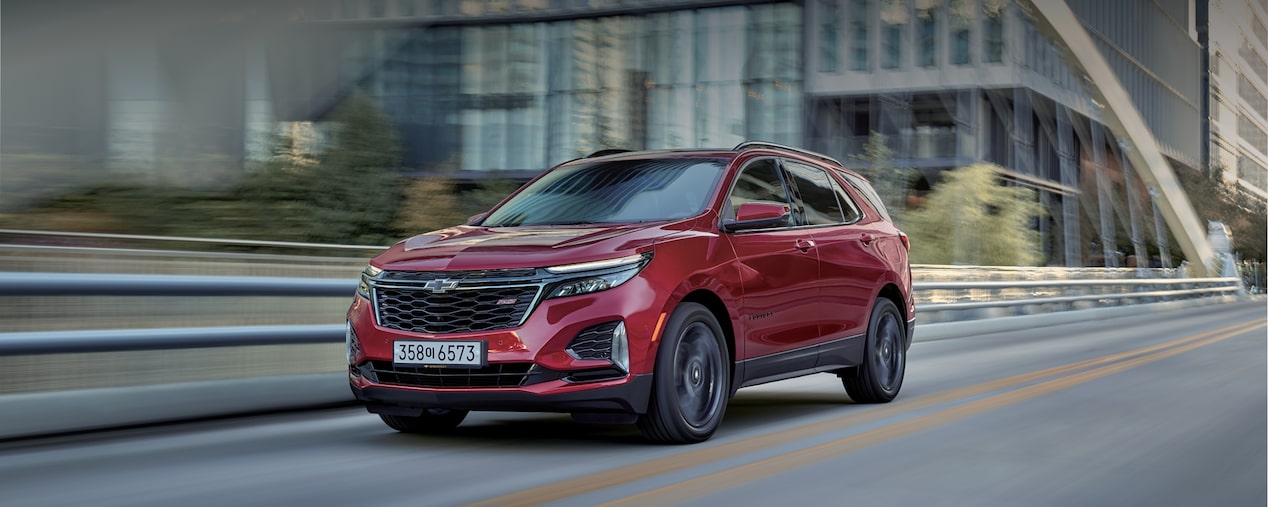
(522, 94)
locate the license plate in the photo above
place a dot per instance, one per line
(439, 353)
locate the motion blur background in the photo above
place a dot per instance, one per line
(364, 121)
(189, 189)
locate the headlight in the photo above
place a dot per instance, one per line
(368, 273)
(599, 275)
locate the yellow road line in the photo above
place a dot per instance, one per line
(700, 486)
(696, 457)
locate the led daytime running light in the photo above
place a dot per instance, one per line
(591, 266)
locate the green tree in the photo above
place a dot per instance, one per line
(891, 183)
(970, 218)
(348, 194)
(1216, 200)
(430, 203)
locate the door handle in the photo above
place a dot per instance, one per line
(866, 239)
(805, 244)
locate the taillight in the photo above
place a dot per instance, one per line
(906, 242)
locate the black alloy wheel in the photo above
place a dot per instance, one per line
(692, 380)
(880, 377)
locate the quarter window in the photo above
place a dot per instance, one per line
(868, 193)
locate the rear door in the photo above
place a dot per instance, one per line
(850, 267)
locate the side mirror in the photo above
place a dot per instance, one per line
(757, 215)
(477, 218)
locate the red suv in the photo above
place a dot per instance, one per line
(639, 287)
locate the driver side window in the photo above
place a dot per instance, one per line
(758, 182)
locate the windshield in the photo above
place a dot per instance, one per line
(622, 191)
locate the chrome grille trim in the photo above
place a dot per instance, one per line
(396, 286)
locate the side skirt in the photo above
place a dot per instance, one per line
(827, 356)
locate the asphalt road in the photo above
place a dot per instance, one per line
(1160, 409)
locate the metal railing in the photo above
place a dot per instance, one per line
(135, 329)
(932, 297)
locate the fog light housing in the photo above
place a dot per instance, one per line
(604, 341)
(620, 348)
(351, 345)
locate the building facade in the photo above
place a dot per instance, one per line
(511, 87)
(1238, 92)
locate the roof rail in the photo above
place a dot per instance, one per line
(753, 145)
(608, 151)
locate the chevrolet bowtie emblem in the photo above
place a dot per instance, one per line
(439, 286)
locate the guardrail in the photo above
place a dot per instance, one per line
(1031, 296)
(932, 298)
(153, 343)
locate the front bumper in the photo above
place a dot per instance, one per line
(628, 397)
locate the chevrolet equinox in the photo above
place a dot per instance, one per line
(639, 287)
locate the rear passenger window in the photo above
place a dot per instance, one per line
(820, 195)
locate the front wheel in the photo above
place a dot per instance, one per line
(880, 376)
(432, 420)
(691, 381)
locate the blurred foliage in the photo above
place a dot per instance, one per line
(429, 204)
(432, 203)
(970, 218)
(1216, 200)
(351, 192)
(348, 194)
(27, 178)
(891, 183)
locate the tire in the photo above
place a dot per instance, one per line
(692, 379)
(432, 420)
(880, 377)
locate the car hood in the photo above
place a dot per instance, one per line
(474, 248)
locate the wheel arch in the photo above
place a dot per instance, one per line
(892, 293)
(714, 304)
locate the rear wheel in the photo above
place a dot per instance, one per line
(692, 378)
(880, 376)
(432, 420)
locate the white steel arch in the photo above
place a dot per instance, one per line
(1055, 19)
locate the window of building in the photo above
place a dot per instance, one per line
(894, 17)
(350, 9)
(859, 18)
(1255, 98)
(1257, 26)
(927, 20)
(963, 14)
(405, 8)
(1253, 59)
(1253, 134)
(993, 31)
(827, 35)
(1252, 172)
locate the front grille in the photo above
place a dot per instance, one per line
(493, 375)
(456, 311)
(593, 342)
